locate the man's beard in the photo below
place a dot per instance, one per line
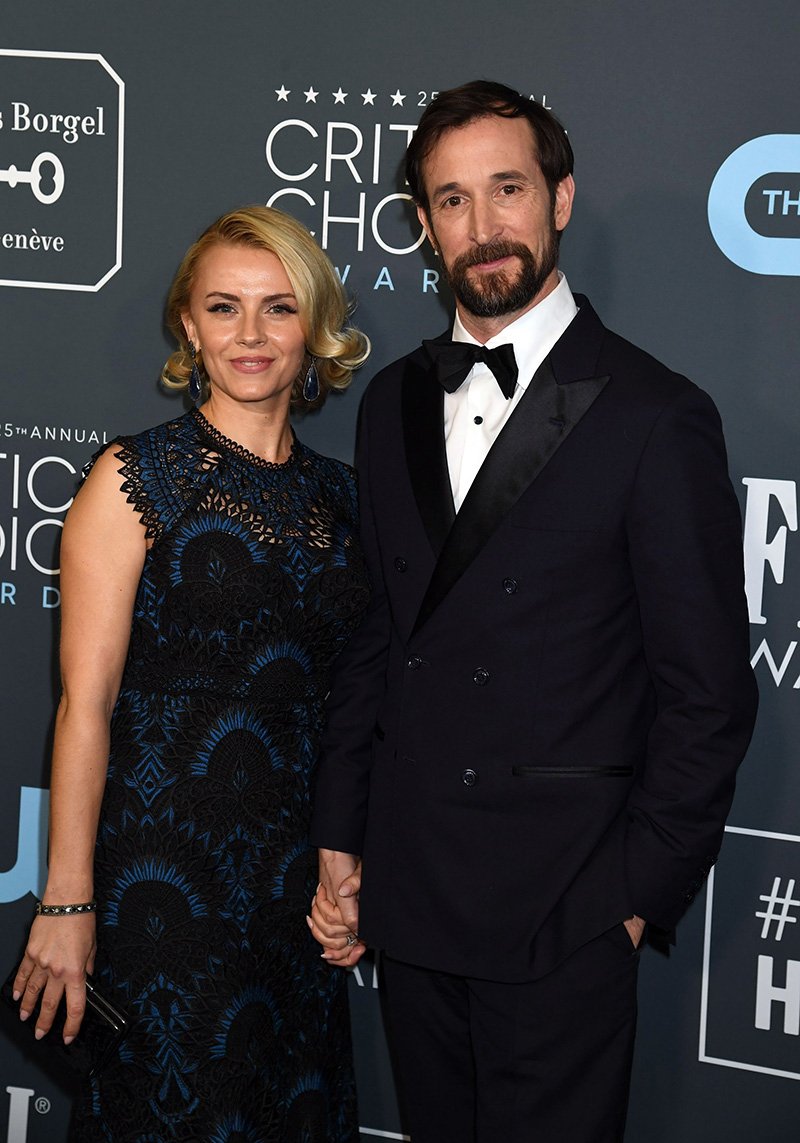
(502, 292)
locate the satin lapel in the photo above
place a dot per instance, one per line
(539, 425)
(423, 431)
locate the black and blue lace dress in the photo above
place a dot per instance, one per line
(253, 583)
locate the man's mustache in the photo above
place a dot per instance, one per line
(489, 252)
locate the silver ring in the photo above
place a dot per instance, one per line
(352, 939)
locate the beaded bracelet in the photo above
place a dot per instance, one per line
(64, 910)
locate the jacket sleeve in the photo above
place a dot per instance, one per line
(357, 687)
(684, 536)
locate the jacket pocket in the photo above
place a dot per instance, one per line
(572, 771)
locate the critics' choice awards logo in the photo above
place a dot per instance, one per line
(37, 484)
(335, 161)
(754, 205)
(750, 1017)
(61, 148)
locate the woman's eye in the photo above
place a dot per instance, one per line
(282, 308)
(221, 308)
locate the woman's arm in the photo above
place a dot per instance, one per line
(102, 553)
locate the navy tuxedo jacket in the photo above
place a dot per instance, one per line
(535, 733)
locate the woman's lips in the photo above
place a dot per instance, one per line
(251, 364)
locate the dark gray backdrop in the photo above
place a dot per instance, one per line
(183, 110)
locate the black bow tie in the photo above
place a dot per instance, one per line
(454, 359)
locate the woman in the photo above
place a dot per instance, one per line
(210, 575)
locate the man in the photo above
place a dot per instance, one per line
(532, 740)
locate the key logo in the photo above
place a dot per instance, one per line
(61, 152)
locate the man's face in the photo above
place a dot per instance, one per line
(492, 219)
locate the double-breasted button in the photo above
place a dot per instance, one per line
(414, 662)
(470, 777)
(481, 677)
(400, 564)
(509, 585)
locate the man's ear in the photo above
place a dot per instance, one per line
(422, 215)
(562, 209)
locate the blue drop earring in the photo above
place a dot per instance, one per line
(311, 384)
(195, 383)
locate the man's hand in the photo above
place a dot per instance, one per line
(635, 926)
(334, 912)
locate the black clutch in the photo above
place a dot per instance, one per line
(104, 1025)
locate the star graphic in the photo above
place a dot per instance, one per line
(397, 99)
(311, 95)
(368, 96)
(282, 93)
(339, 96)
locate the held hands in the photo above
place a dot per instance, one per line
(59, 954)
(334, 912)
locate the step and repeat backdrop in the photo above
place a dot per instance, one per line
(126, 128)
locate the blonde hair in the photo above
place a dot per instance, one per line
(337, 348)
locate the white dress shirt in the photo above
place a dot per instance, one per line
(477, 411)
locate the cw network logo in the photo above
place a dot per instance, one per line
(29, 871)
(754, 205)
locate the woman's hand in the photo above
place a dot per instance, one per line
(59, 954)
(327, 926)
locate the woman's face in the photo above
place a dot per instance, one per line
(243, 315)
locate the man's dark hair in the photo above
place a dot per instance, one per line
(477, 100)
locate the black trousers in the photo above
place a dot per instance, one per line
(546, 1061)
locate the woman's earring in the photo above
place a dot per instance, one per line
(195, 383)
(311, 384)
